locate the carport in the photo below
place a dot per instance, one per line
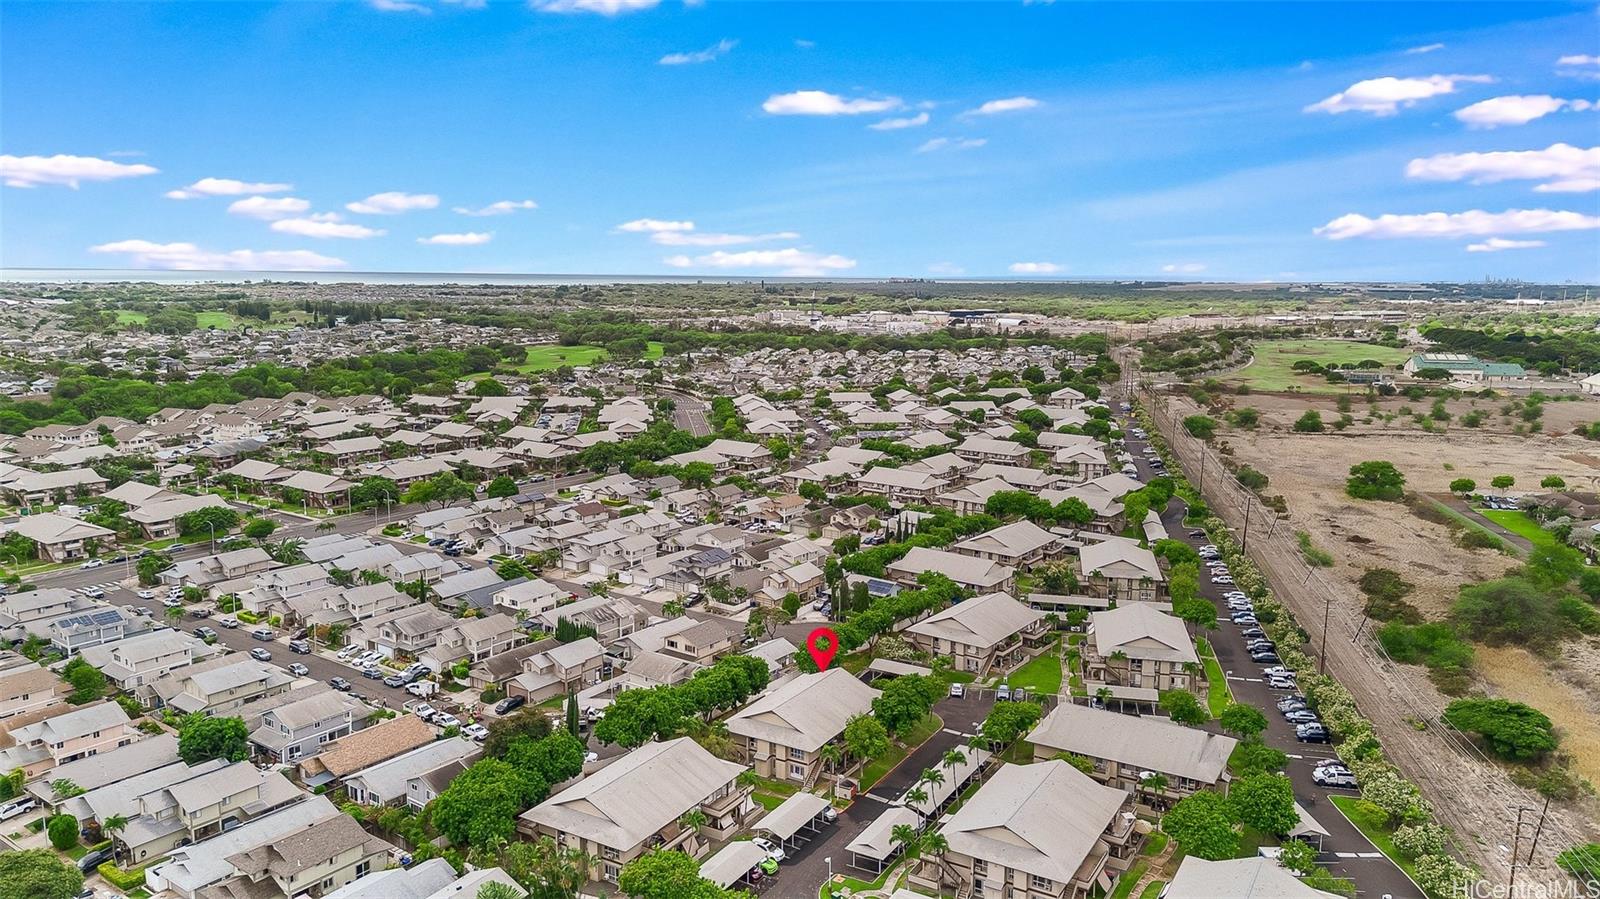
(874, 848)
(798, 812)
(940, 794)
(890, 668)
(732, 864)
(1308, 829)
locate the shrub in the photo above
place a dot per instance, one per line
(63, 831)
(1309, 423)
(1511, 729)
(1441, 875)
(127, 881)
(1416, 840)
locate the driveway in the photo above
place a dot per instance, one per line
(807, 867)
(1346, 852)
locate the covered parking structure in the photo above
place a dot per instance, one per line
(793, 822)
(732, 864)
(1308, 829)
(941, 794)
(874, 848)
(886, 668)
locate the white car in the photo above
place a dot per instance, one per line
(420, 688)
(476, 731)
(147, 594)
(92, 563)
(348, 651)
(773, 850)
(93, 592)
(445, 719)
(424, 711)
(370, 657)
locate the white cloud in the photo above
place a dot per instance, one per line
(1579, 59)
(500, 207)
(1009, 104)
(1425, 48)
(824, 103)
(916, 121)
(789, 261)
(1385, 96)
(645, 226)
(469, 239)
(599, 7)
(720, 48)
(712, 239)
(1035, 268)
(804, 44)
(945, 143)
(325, 226)
(32, 171)
(1184, 268)
(1496, 244)
(268, 208)
(1516, 110)
(1563, 167)
(1472, 223)
(188, 257)
(946, 268)
(226, 187)
(393, 202)
(399, 6)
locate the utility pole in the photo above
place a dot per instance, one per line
(1249, 500)
(1327, 609)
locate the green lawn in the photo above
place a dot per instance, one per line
(544, 358)
(1128, 879)
(1041, 675)
(1152, 889)
(1217, 696)
(1372, 828)
(853, 885)
(1519, 523)
(1271, 367)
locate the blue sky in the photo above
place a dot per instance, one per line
(1248, 141)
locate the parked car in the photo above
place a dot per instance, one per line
(1312, 733)
(957, 691)
(509, 704)
(339, 683)
(260, 654)
(1245, 620)
(1282, 683)
(420, 688)
(1342, 779)
(1278, 671)
(1003, 694)
(147, 594)
(445, 719)
(93, 563)
(395, 680)
(17, 806)
(1292, 705)
(373, 672)
(298, 670)
(1252, 632)
(94, 859)
(229, 623)
(300, 646)
(773, 850)
(1265, 657)
(1302, 716)
(1260, 644)
(1332, 767)
(1290, 700)
(424, 711)
(476, 731)
(171, 602)
(205, 633)
(263, 633)
(348, 651)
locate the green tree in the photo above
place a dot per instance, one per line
(494, 889)
(1553, 482)
(259, 528)
(151, 566)
(544, 869)
(38, 874)
(1582, 862)
(528, 723)
(1183, 707)
(1463, 486)
(63, 831)
(1253, 757)
(1202, 823)
(1511, 730)
(1202, 426)
(1309, 423)
(511, 569)
(502, 486)
(210, 520)
(664, 874)
(88, 684)
(1008, 722)
(865, 737)
(1375, 480)
(1264, 802)
(905, 701)
(1243, 721)
(1502, 482)
(480, 806)
(202, 738)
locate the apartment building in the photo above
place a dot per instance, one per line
(1127, 750)
(785, 729)
(987, 634)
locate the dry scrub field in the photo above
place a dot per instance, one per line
(1309, 471)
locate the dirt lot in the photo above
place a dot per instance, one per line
(1309, 470)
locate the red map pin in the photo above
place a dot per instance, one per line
(822, 644)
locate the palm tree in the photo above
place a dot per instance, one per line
(113, 824)
(832, 754)
(932, 776)
(342, 577)
(953, 758)
(693, 819)
(327, 525)
(289, 551)
(915, 796)
(65, 789)
(909, 839)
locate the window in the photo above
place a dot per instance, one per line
(1039, 883)
(362, 868)
(797, 772)
(797, 755)
(979, 866)
(611, 872)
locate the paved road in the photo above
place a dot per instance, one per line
(807, 867)
(1346, 852)
(689, 413)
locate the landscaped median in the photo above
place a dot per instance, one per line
(1217, 693)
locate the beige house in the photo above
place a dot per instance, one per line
(1128, 749)
(218, 686)
(555, 671)
(29, 688)
(139, 660)
(193, 810)
(1020, 544)
(638, 802)
(989, 633)
(1040, 831)
(63, 539)
(1136, 651)
(704, 642)
(899, 485)
(1121, 571)
(969, 572)
(785, 729)
(473, 640)
(317, 859)
(80, 733)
